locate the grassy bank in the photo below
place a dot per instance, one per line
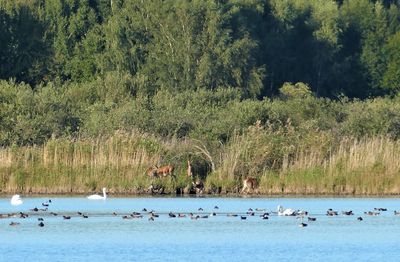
(119, 162)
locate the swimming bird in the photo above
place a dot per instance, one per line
(331, 212)
(303, 225)
(41, 224)
(286, 212)
(372, 213)
(98, 197)
(397, 213)
(66, 217)
(13, 224)
(243, 217)
(380, 209)
(359, 218)
(347, 213)
(23, 215)
(312, 219)
(40, 219)
(216, 207)
(16, 200)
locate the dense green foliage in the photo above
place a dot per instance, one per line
(347, 47)
(191, 68)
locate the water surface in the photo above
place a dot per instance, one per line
(107, 237)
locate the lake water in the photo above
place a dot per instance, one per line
(107, 237)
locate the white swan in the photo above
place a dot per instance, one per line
(16, 200)
(98, 197)
(286, 212)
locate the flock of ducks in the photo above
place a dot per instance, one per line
(152, 215)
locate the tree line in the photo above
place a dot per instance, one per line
(339, 48)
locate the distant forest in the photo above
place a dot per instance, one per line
(343, 47)
(91, 67)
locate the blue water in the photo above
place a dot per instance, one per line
(107, 237)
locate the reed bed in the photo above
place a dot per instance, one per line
(283, 164)
(356, 166)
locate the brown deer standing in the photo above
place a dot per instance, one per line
(165, 171)
(249, 184)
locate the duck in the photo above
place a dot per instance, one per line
(331, 212)
(347, 213)
(41, 224)
(13, 224)
(303, 225)
(286, 212)
(16, 200)
(359, 218)
(98, 197)
(312, 219)
(372, 213)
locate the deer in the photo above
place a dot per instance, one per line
(249, 184)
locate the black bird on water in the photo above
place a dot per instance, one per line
(41, 224)
(66, 217)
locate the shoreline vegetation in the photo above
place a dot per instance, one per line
(61, 166)
(296, 96)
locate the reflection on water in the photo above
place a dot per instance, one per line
(105, 235)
